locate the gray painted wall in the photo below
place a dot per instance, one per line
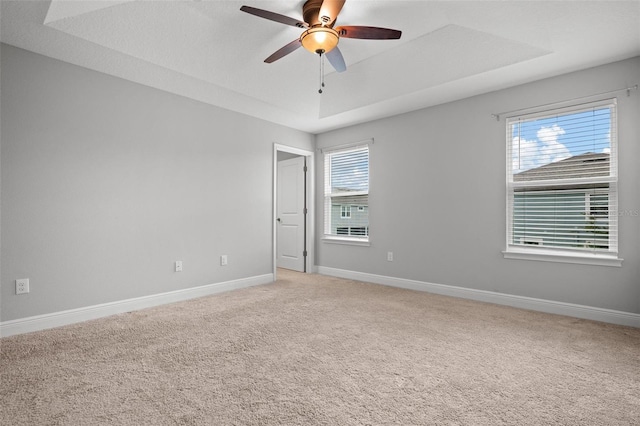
(106, 183)
(445, 167)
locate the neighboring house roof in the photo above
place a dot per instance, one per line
(355, 200)
(584, 165)
(345, 189)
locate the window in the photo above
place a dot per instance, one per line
(359, 230)
(346, 177)
(352, 230)
(345, 212)
(562, 185)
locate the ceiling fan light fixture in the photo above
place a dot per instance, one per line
(319, 39)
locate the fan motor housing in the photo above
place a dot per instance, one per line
(310, 12)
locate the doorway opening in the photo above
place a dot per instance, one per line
(293, 209)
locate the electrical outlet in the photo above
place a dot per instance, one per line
(223, 260)
(390, 256)
(22, 286)
(178, 265)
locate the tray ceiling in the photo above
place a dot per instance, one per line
(212, 52)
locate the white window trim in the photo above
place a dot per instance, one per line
(542, 253)
(339, 239)
(349, 240)
(551, 255)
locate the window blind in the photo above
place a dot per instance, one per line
(562, 179)
(346, 192)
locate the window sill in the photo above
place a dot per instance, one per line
(599, 259)
(346, 241)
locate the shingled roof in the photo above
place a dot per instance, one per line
(584, 165)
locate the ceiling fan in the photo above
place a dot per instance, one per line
(320, 36)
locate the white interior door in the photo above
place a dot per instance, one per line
(290, 219)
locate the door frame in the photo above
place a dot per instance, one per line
(310, 202)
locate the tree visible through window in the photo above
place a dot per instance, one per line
(562, 180)
(347, 193)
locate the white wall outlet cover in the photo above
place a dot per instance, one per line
(179, 266)
(22, 286)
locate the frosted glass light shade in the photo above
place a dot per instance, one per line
(319, 39)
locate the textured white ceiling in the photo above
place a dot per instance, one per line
(212, 52)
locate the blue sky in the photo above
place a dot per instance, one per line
(545, 140)
(350, 171)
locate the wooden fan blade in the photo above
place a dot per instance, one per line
(334, 56)
(329, 11)
(284, 51)
(274, 16)
(371, 33)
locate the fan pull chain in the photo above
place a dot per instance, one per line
(321, 72)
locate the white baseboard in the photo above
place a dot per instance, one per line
(541, 305)
(57, 319)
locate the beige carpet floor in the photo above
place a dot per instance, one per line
(314, 350)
